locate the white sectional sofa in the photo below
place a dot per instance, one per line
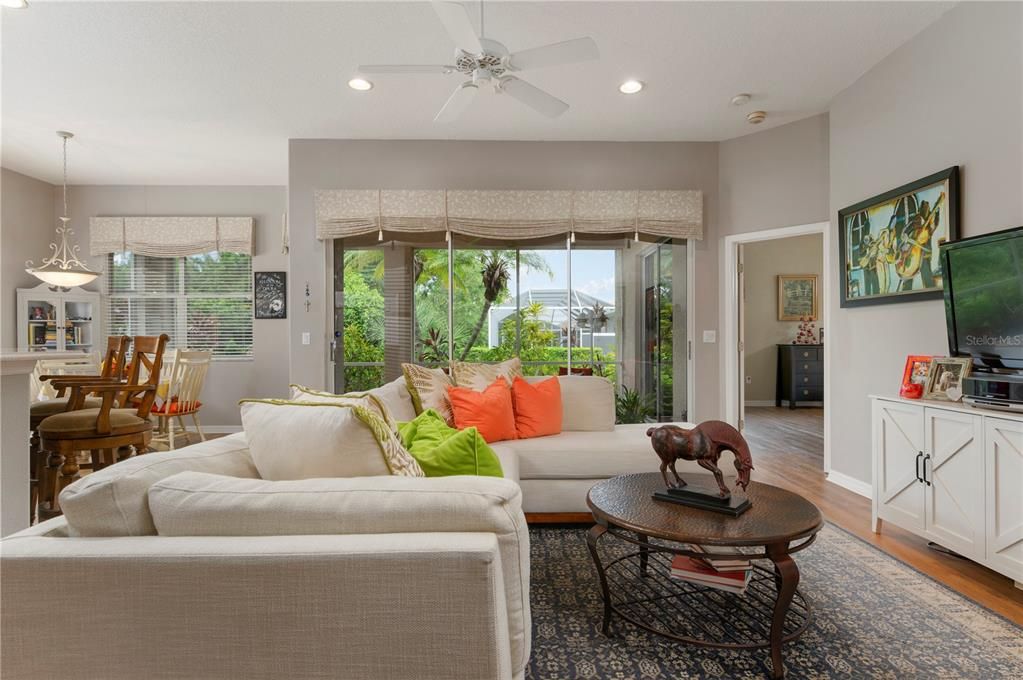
(186, 565)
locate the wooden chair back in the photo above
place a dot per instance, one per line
(147, 352)
(113, 362)
(187, 376)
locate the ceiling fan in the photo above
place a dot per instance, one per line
(487, 62)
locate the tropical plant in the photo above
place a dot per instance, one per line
(433, 348)
(631, 406)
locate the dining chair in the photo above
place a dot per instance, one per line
(180, 395)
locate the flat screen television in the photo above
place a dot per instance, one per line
(983, 280)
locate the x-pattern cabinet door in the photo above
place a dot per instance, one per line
(953, 468)
(1004, 482)
(899, 445)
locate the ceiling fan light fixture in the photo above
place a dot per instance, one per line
(360, 84)
(631, 86)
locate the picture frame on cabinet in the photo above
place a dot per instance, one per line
(914, 376)
(945, 376)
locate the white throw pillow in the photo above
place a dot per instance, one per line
(396, 398)
(302, 440)
(366, 400)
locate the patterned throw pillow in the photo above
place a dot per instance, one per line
(363, 399)
(308, 439)
(481, 376)
(429, 389)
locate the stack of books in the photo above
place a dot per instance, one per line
(723, 568)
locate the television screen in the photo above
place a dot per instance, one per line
(984, 297)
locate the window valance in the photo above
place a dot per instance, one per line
(170, 236)
(508, 215)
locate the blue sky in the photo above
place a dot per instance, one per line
(593, 272)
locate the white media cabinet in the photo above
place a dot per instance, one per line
(952, 474)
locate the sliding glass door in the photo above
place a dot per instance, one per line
(615, 309)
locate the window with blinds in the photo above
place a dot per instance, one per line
(202, 302)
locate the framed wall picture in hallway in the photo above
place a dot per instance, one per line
(797, 297)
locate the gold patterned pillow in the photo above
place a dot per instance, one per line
(481, 376)
(429, 389)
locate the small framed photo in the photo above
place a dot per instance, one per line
(270, 293)
(945, 378)
(797, 297)
(914, 376)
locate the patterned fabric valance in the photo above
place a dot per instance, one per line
(170, 236)
(508, 215)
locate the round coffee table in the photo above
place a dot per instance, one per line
(637, 586)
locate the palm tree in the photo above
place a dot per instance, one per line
(495, 273)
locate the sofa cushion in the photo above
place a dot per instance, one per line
(443, 451)
(195, 504)
(299, 440)
(587, 455)
(489, 411)
(479, 376)
(538, 410)
(428, 388)
(364, 399)
(113, 501)
(587, 402)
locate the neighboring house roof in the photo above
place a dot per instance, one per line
(555, 303)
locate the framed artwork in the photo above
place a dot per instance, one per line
(270, 293)
(914, 376)
(945, 376)
(797, 297)
(888, 244)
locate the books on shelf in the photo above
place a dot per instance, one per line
(694, 571)
(722, 558)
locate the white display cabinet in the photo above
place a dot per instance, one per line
(56, 320)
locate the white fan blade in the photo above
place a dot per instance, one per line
(456, 104)
(373, 69)
(568, 52)
(456, 22)
(533, 97)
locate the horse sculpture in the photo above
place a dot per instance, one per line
(704, 444)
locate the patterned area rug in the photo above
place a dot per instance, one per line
(874, 617)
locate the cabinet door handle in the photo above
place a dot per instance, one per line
(926, 480)
(918, 457)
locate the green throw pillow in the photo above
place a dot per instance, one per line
(443, 451)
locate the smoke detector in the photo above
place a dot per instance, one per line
(756, 117)
(740, 99)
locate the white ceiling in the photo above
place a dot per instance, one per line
(209, 93)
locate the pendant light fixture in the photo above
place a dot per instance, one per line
(63, 269)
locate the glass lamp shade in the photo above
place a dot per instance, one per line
(54, 275)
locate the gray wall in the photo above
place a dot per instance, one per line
(26, 230)
(763, 261)
(951, 96)
(360, 164)
(266, 375)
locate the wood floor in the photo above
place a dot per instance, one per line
(788, 450)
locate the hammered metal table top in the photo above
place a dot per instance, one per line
(777, 515)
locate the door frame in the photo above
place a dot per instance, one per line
(730, 311)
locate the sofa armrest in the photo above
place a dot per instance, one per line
(424, 605)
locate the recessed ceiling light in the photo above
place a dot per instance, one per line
(756, 117)
(360, 84)
(14, 4)
(630, 87)
(740, 99)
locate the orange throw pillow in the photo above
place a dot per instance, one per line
(537, 407)
(489, 411)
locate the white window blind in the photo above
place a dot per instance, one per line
(202, 302)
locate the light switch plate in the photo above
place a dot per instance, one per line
(306, 338)
(710, 336)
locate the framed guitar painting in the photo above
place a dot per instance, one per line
(888, 244)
